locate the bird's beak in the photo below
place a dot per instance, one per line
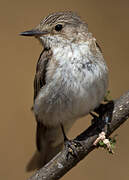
(33, 32)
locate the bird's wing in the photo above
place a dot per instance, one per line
(40, 76)
(99, 47)
(39, 82)
(43, 134)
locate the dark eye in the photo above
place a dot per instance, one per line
(58, 27)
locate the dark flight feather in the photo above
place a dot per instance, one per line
(39, 82)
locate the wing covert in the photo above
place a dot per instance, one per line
(40, 76)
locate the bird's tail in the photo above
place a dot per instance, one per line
(39, 159)
(49, 143)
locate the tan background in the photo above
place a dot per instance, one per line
(109, 22)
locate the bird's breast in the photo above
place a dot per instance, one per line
(81, 78)
(77, 85)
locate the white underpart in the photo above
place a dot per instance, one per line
(77, 86)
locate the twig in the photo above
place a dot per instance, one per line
(117, 110)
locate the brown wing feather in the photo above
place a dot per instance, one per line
(99, 47)
(40, 76)
(39, 82)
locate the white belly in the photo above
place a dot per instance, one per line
(77, 86)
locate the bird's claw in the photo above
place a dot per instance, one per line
(71, 146)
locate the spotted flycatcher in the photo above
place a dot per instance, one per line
(71, 80)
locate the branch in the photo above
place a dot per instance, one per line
(118, 113)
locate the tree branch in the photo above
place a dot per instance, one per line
(117, 111)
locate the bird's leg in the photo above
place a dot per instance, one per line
(64, 135)
(70, 145)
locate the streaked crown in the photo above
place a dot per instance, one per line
(62, 25)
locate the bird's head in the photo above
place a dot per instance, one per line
(61, 27)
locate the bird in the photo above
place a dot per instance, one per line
(71, 80)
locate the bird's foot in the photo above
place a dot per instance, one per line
(71, 147)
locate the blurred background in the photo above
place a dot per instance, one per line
(109, 22)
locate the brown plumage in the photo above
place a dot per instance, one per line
(45, 150)
(71, 80)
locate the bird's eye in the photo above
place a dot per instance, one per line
(58, 27)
